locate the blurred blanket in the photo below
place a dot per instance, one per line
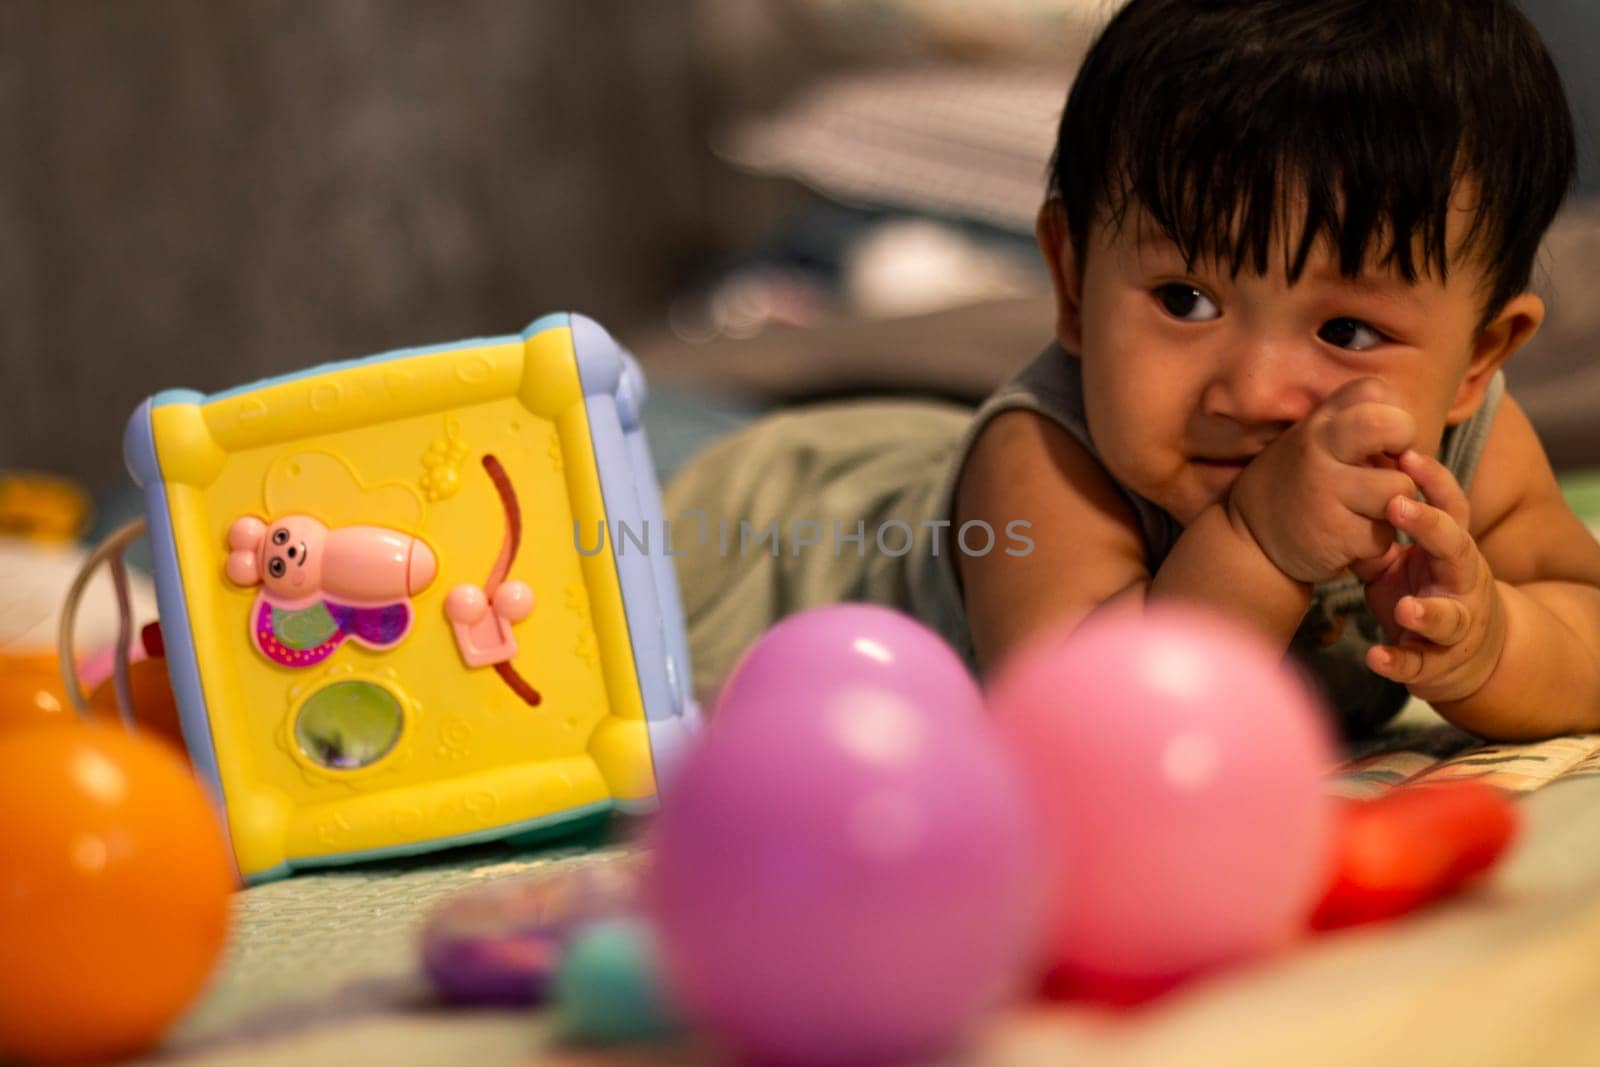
(323, 967)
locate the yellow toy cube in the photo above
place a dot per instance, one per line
(400, 608)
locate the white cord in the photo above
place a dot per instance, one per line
(111, 548)
(119, 667)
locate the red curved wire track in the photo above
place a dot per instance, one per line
(502, 566)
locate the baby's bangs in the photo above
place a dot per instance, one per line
(1253, 130)
(1246, 182)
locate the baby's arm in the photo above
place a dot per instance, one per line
(1543, 566)
(1088, 554)
(1305, 508)
(1086, 546)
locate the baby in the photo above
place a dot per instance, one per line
(1291, 245)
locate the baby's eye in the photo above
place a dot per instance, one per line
(1353, 334)
(280, 537)
(276, 567)
(1187, 303)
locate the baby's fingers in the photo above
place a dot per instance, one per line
(1437, 484)
(1441, 619)
(1405, 663)
(1435, 674)
(1367, 571)
(1355, 434)
(1368, 491)
(1440, 535)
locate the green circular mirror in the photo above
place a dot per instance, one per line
(348, 725)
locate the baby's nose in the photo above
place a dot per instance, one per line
(1263, 387)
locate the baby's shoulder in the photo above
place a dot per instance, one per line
(1026, 475)
(1024, 465)
(1517, 513)
(1511, 466)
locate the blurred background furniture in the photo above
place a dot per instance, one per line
(200, 195)
(787, 199)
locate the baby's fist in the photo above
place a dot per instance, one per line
(1314, 498)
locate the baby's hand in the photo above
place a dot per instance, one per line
(1436, 598)
(1314, 498)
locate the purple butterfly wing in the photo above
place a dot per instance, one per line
(375, 627)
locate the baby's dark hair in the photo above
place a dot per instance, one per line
(1222, 117)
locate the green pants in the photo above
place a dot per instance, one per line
(812, 506)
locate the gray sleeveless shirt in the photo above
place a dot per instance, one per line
(1338, 627)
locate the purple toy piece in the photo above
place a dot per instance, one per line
(501, 944)
(377, 627)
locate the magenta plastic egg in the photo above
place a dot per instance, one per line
(850, 645)
(843, 868)
(1177, 769)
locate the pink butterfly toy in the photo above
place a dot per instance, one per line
(322, 586)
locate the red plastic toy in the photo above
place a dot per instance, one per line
(1412, 846)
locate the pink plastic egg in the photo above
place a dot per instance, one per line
(1177, 769)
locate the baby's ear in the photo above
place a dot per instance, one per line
(1497, 342)
(1055, 245)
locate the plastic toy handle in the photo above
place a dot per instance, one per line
(482, 625)
(112, 549)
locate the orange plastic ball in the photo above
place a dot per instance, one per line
(154, 707)
(31, 692)
(115, 879)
